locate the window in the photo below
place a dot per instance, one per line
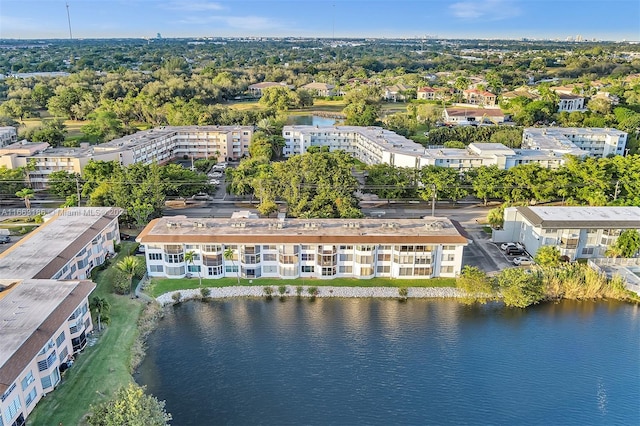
(194, 268)
(345, 269)
(214, 270)
(175, 258)
(346, 247)
(366, 271)
(448, 257)
(328, 271)
(404, 272)
(13, 408)
(28, 379)
(364, 248)
(63, 355)
(307, 257)
(46, 363)
(448, 248)
(446, 269)
(211, 248)
(346, 257)
(588, 250)
(269, 257)
(31, 396)
(231, 268)
(384, 257)
(155, 256)
(269, 269)
(422, 271)
(156, 268)
(364, 259)
(307, 269)
(175, 271)
(59, 340)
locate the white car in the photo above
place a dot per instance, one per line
(215, 174)
(522, 261)
(214, 182)
(505, 246)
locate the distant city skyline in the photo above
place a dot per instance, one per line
(510, 19)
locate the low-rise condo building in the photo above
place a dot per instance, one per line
(597, 142)
(66, 246)
(578, 232)
(43, 324)
(8, 135)
(303, 248)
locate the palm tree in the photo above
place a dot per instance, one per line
(228, 255)
(100, 306)
(129, 265)
(189, 257)
(26, 194)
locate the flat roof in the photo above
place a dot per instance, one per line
(582, 217)
(49, 247)
(180, 229)
(29, 316)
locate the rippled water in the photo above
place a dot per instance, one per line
(310, 120)
(382, 362)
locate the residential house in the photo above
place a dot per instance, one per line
(320, 89)
(472, 115)
(257, 88)
(571, 103)
(395, 93)
(479, 97)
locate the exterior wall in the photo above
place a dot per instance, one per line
(8, 136)
(571, 104)
(574, 243)
(91, 255)
(305, 261)
(42, 374)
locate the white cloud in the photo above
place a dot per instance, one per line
(193, 6)
(489, 10)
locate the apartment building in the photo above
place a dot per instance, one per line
(597, 142)
(8, 136)
(303, 248)
(160, 145)
(44, 323)
(578, 232)
(77, 239)
(374, 145)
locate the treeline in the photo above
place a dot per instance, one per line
(139, 189)
(590, 181)
(517, 287)
(317, 184)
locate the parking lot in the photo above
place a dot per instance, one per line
(485, 254)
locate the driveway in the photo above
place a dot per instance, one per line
(483, 253)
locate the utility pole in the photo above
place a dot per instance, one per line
(78, 188)
(433, 200)
(616, 191)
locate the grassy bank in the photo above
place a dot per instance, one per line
(100, 369)
(164, 285)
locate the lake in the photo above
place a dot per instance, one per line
(383, 362)
(310, 120)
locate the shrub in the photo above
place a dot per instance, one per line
(403, 292)
(205, 292)
(176, 296)
(268, 291)
(313, 291)
(299, 290)
(121, 283)
(282, 290)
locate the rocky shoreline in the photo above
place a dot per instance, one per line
(322, 291)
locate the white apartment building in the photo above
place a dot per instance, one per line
(374, 145)
(578, 232)
(156, 145)
(597, 142)
(303, 248)
(77, 239)
(44, 323)
(8, 136)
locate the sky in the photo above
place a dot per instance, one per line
(548, 19)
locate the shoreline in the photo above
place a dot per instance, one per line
(322, 291)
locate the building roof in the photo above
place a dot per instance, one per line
(180, 230)
(479, 92)
(426, 89)
(318, 86)
(30, 314)
(48, 248)
(582, 217)
(24, 147)
(569, 96)
(474, 112)
(266, 84)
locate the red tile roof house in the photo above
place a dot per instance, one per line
(474, 115)
(479, 97)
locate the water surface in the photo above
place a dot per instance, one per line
(381, 362)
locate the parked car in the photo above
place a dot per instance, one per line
(5, 239)
(505, 246)
(140, 249)
(522, 261)
(214, 182)
(515, 251)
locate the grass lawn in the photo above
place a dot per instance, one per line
(99, 370)
(164, 285)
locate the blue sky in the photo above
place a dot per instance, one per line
(600, 19)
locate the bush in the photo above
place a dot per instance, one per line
(268, 291)
(299, 290)
(205, 292)
(177, 296)
(121, 283)
(403, 292)
(313, 291)
(282, 290)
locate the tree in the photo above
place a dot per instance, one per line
(190, 257)
(547, 256)
(53, 132)
(130, 266)
(26, 194)
(495, 217)
(477, 286)
(487, 182)
(101, 307)
(63, 183)
(130, 406)
(519, 288)
(628, 242)
(228, 255)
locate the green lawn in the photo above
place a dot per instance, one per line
(99, 370)
(164, 285)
